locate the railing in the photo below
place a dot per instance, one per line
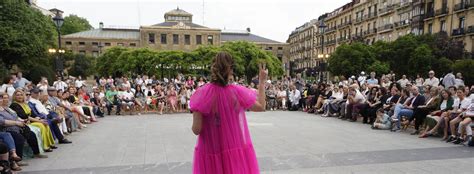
(417, 18)
(344, 24)
(331, 42)
(430, 14)
(458, 32)
(359, 19)
(331, 29)
(464, 5)
(385, 10)
(370, 15)
(470, 30)
(444, 10)
(385, 27)
(402, 23)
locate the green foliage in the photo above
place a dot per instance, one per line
(82, 66)
(74, 24)
(25, 35)
(420, 60)
(466, 67)
(38, 71)
(351, 59)
(247, 56)
(409, 55)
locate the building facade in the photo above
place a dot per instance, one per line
(177, 32)
(386, 20)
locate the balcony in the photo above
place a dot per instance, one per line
(458, 32)
(403, 23)
(342, 39)
(331, 42)
(370, 32)
(418, 18)
(386, 10)
(402, 5)
(470, 30)
(416, 2)
(443, 11)
(460, 7)
(359, 19)
(385, 28)
(370, 16)
(329, 30)
(429, 14)
(345, 24)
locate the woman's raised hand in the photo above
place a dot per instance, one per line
(263, 73)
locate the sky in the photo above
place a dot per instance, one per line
(273, 19)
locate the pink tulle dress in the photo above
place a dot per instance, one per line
(224, 145)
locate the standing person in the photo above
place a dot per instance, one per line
(59, 84)
(372, 80)
(459, 80)
(431, 80)
(219, 120)
(20, 81)
(7, 86)
(449, 79)
(403, 81)
(79, 82)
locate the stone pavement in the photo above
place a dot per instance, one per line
(285, 142)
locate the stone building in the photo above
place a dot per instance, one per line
(177, 32)
(372, 20)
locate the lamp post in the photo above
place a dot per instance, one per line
(322, 28)
(58, 21)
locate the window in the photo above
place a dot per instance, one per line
(430, 28)
(82, 52)
(95, 53)
(198, 39)
(120, 44)
(163, 39)
(187, 39)
(68, 43)
(269, 48)
(280, 48)
(107, 44)
(151, 38)
(210, 40)
(95, 43)
(443, 26)
(133, 44)
(82, 43)
(461, 22)
(175, 39)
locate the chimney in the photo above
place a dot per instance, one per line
(248, 30)
(101, 25)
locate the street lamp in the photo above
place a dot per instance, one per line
(58, 21)
(322, 28)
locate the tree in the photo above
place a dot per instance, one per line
(82, 65)
(74, 24)
(25, 35)
(420, 60)
(350, 59)
(107, 64)
(466, 67)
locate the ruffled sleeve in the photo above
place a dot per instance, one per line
(203, 99)
(246, 97)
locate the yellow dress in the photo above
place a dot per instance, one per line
(46, 134)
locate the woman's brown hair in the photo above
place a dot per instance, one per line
(221, 68)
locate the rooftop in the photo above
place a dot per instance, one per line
(107, 33)
(242, 35)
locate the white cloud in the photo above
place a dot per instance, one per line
(273, 19)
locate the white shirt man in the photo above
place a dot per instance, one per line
(295, 96)
(79, 83)
(432, 80)
(462, 105)
(403, 81)
(362, 78)
(8, 88)
(60, 85)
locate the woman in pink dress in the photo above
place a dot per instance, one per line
(224, 145)
(172, 98)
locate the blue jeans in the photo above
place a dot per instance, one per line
(7, 138)
(404, 112)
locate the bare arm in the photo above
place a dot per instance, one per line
(259, 106)
(197, 123)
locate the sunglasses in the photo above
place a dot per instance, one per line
(28, 94)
